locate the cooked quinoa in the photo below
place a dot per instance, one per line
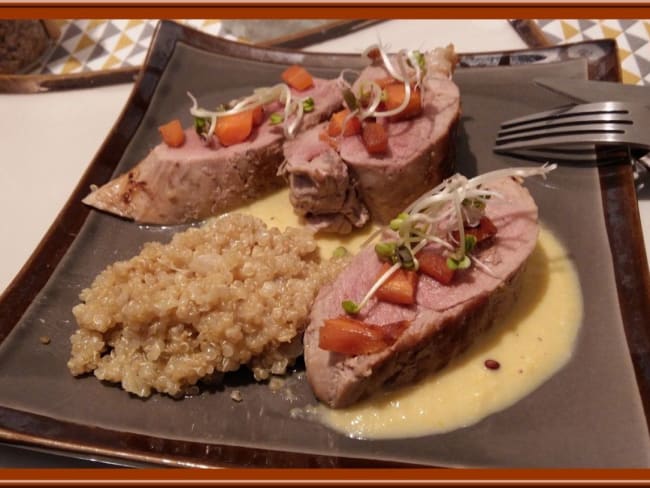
(229, 293)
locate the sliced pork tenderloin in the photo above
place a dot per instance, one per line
(420, 154)
(195, 181)
(443, 322)
(321, 188)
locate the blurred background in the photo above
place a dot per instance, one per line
(82, 45)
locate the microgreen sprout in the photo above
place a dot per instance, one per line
(350, 307)
(349, 99)
(275, 118)
(431, 219)
(406, 66)
(201, 127)
(339, 252)
(386, 250)
(308, 105)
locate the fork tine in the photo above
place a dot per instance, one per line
(566, 111)
(572, 156)
(585, 121)
(604, 122)
(589, 133)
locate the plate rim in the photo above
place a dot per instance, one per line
(26, 428)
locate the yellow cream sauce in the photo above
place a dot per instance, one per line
(531, 343)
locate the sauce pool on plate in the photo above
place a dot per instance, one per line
(523, 350)
(527, 346)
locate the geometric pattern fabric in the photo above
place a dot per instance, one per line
(98, 44)
(632, 37)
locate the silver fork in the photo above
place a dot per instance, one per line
(588, 132)
(602, 123)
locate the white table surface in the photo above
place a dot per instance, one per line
(48, 140)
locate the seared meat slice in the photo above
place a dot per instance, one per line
(444, 320)
(195, 181)
(419, 156)
(420, 150)
(321, 187)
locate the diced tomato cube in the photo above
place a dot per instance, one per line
(346, 335)
(400, 288)
(482, 232)
(434, 264)
(375, 138)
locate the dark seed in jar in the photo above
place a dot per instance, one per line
(492, 364)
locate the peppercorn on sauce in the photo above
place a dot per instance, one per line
(523, 350)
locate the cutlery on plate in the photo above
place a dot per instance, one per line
(616, 121)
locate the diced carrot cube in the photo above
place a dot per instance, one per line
(375, 138)
(346, 335)
(172, 133)
(434, 265)
(400, 288)
(297, 77)
(233, 129)
(395, 94)
(335, 127)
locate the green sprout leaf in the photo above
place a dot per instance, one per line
(350, 307)
(422, 62)
(339, 252)
(350, 99)
(308, 105)
(462, 263)
(276, 118)
(385, 250)
(470, 242)
(200, 124)
(396, 223)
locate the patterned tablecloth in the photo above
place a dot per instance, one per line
(632, 37)
(104, 44)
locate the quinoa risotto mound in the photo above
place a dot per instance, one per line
(229, 293)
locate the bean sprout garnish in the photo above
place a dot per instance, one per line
(370, 93)
(293, 109)
(432, 218)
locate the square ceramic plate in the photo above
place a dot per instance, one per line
(591, 413)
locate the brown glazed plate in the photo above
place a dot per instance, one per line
(592, 413)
